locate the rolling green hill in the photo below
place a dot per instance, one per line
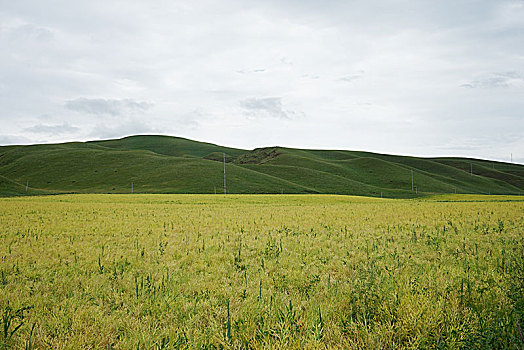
(165, 164)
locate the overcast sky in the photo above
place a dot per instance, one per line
(408, 77)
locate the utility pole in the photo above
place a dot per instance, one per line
(27, 185)
(471, 171)
(282, 192)
(380, 194)
(224, 173)
(412, 180)
(215, 190)
(511, 157)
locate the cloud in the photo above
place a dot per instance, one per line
(310, 76)
(347, 64)
(131, 126)
(15, 140)
(190, 120)
(477, 143)
(350, 78)
(496, 80)
(65, 128)
(29, 31)
(99, 106)
(242, 71)
(286, 61)
(266, 107)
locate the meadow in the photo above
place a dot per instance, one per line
(164, 164)
(144, 271)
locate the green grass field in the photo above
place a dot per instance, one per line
(104, 271)
(164, 164)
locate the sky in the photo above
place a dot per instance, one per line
(423, 78)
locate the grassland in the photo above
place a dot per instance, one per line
(163, 164)
(266, 271)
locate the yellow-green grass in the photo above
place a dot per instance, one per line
(294, 271)
(472, 198)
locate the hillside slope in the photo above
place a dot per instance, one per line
(165, 164)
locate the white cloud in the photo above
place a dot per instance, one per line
(64, 128)
(122, 128)
(14, 140)
(27, 31)
(393, 77)
(100, 106)
(265, 107)
(495, 80)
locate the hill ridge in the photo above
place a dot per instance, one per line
(168, 164)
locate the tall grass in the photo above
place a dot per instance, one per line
(173, 271)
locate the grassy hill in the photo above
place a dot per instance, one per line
(164, 164)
